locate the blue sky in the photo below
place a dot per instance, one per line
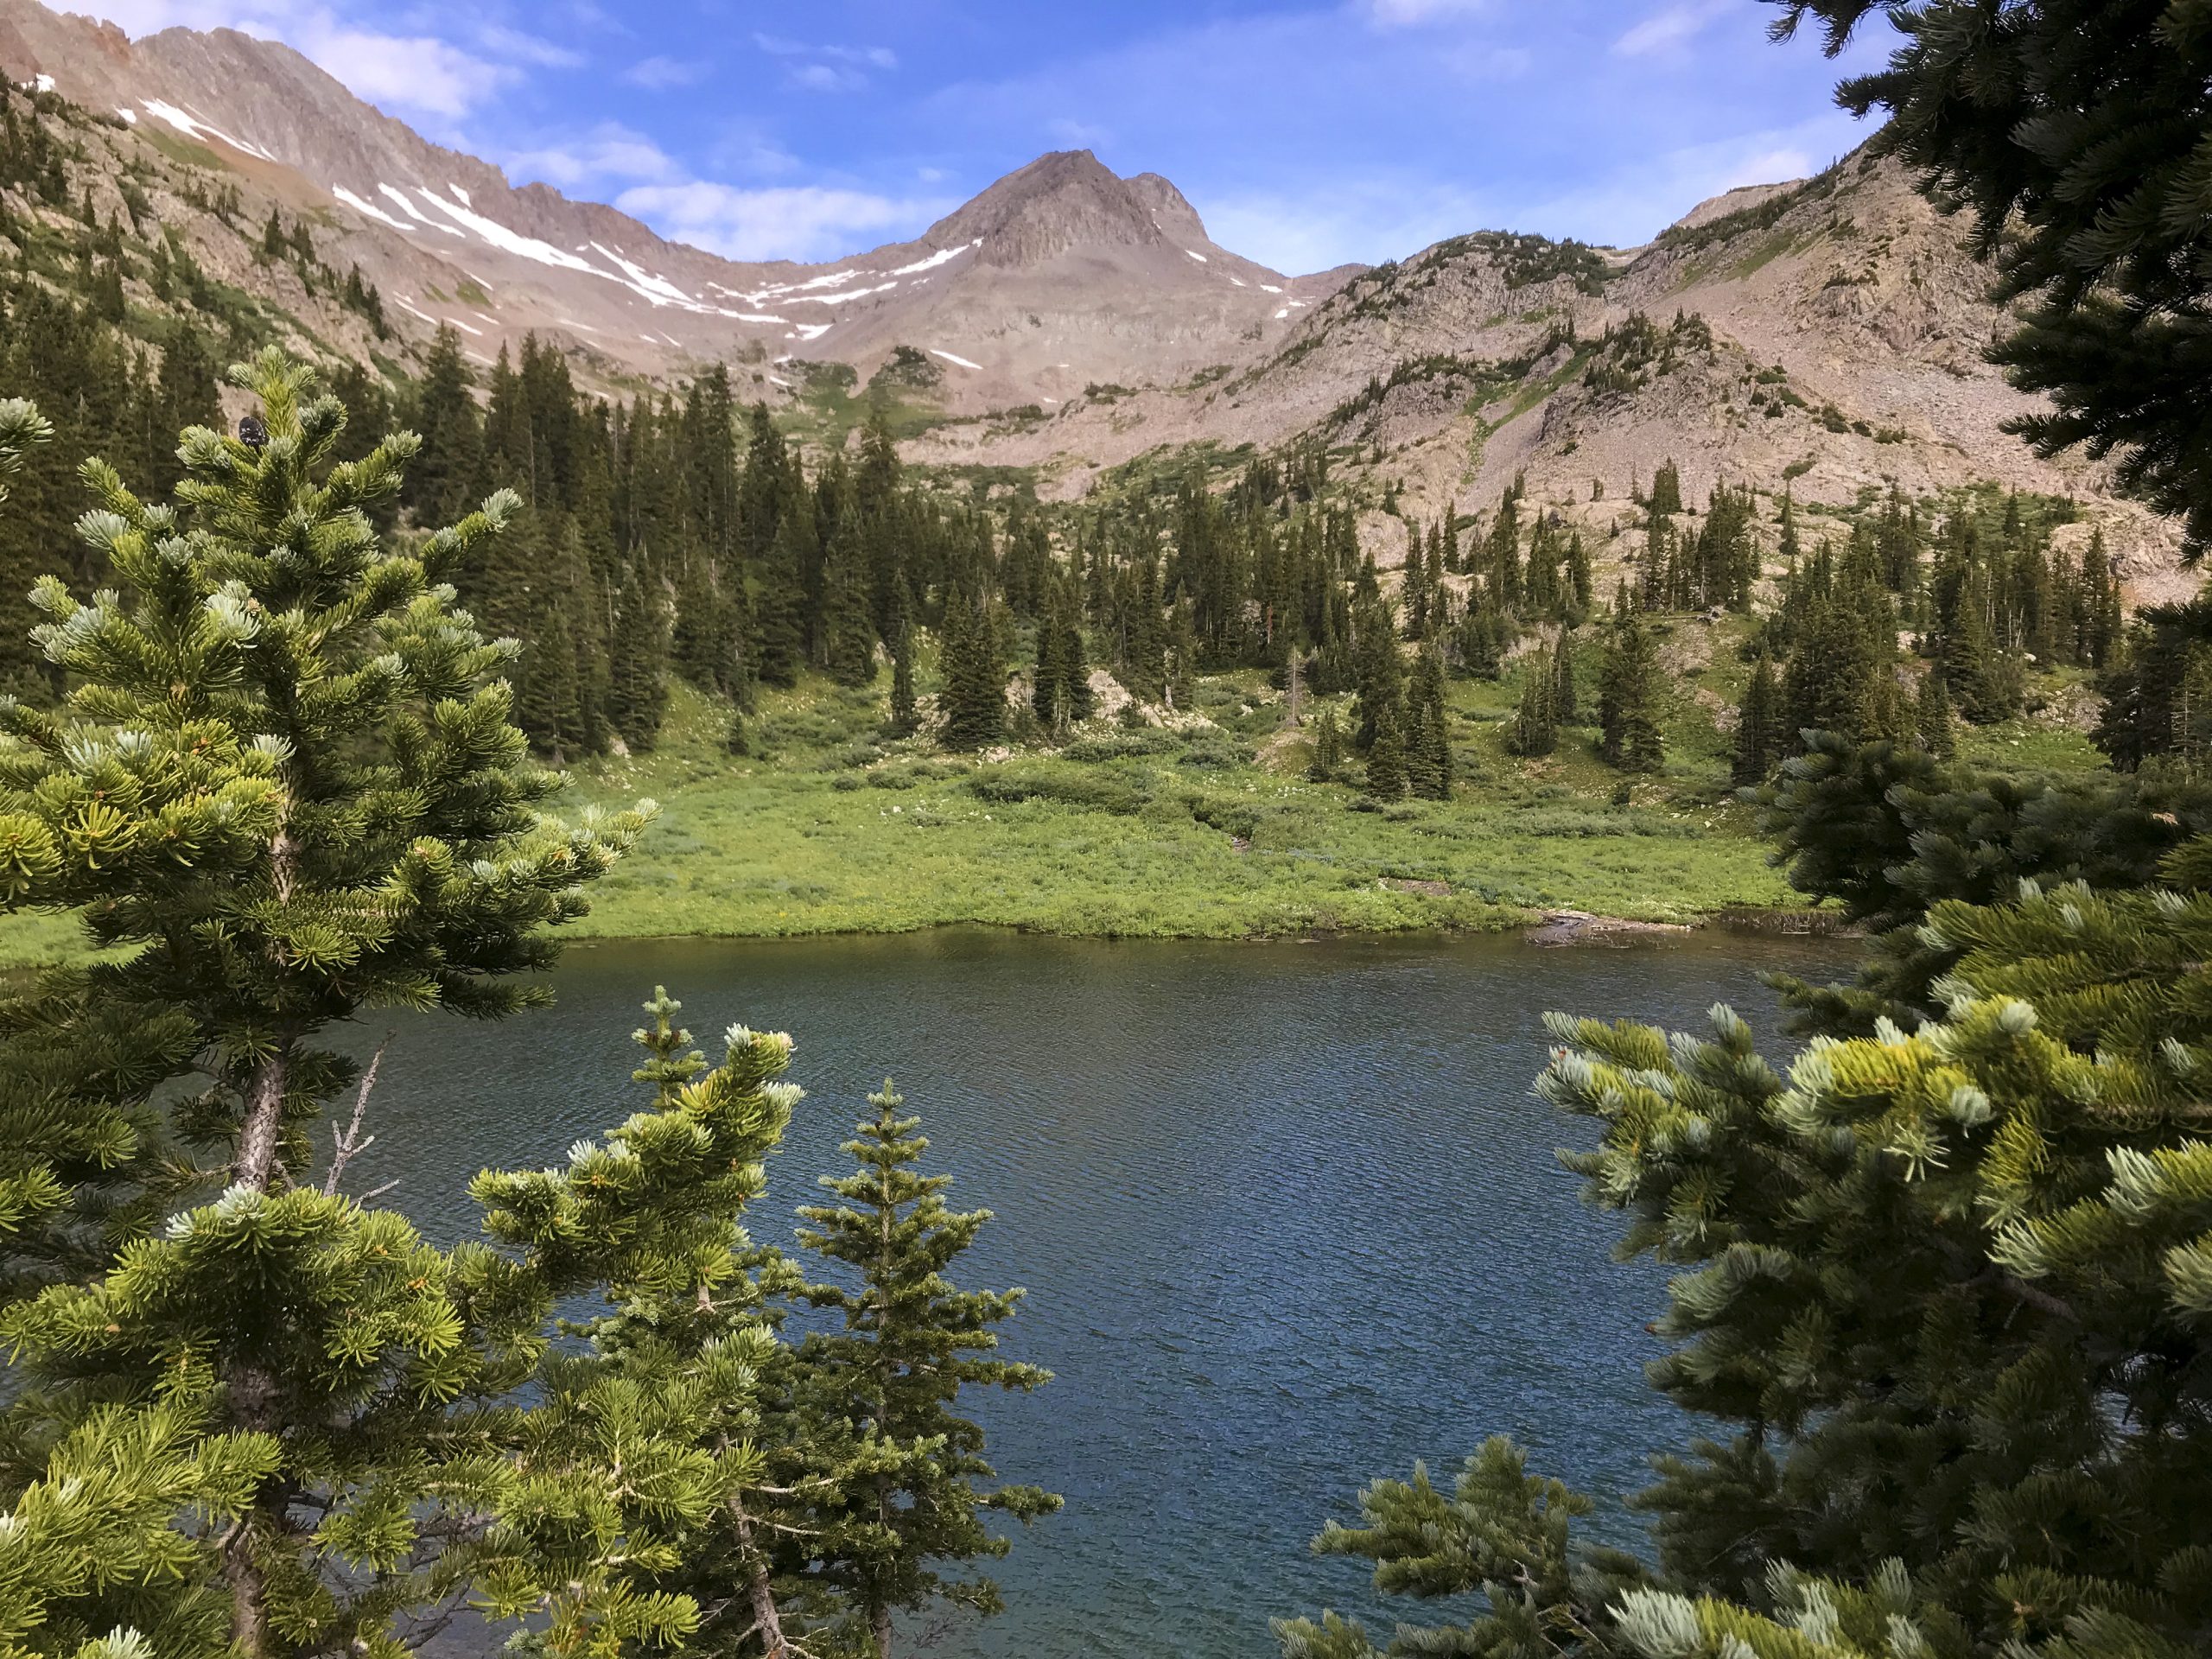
(1307, 134)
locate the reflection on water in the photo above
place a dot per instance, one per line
(1288, 1216)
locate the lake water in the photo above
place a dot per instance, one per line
(1288, 1216)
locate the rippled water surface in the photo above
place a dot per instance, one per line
(1288, 1216)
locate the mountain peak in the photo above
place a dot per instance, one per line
(1063, 201)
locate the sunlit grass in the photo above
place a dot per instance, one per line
(830, 827)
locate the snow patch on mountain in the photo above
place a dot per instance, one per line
(192, 127)
(936, 259)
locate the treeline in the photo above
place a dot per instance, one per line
(1982, 597)
(684, 534)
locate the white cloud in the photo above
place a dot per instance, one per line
(1490, 62)
(418, 72)
(1633, 204)
(1410, 14)
(517, 47)
(785, 222)
(1669, 31)
(610, 153)
(663, 74)
(407, 72)
(1342, 221)
(827, 68)
(827, 78)
(1080, 134)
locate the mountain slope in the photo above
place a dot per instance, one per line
(1842, 322)
(1060, 275)
(1839, 330)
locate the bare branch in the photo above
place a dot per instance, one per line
(346, 1145)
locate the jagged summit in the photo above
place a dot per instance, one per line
(1060, 201)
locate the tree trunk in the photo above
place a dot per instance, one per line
(265, 1118)
(248, 1624)
(762, 1593)
(878, 1618)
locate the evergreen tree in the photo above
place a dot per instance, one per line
(549, 705)
(913, 1502)
(905, 718)
(1932, 722)
(1566, 696)
(449, 469)
(1762, 738)
(298, 709)
(638, 681)
(1060, 690)
(973, 699)
(1630, 694)
(2111, 330)
(1428, 734)
(1535, 727)
(1386, 757)
(1182, 658)
(1328, 747)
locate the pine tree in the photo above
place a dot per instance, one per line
(1386, 756)
(1428, 734)
(905, 718)
(638, 651)
(1630, 694)
(686, 1381)
(1535, 727)
(974, 694)
(1932, 722)
(1182, 658)
(2109, 327)
(449, 469)
(1762, 738)
(1566, 696)
(911, 1341)
(1328, 747)
(299, 709)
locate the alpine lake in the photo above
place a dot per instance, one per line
(1288, 1214)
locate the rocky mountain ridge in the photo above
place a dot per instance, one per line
(986, 290)
(1071, 321)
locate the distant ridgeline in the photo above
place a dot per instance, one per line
(677, 534)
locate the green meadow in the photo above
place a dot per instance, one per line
(1215, 831)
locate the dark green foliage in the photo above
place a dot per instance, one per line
(1386, 754)
(2073, 132)
(1630, 694)
(973, 700)
(1427, 734)
(904, 717)
(1535, 727)
(1762, 737)
(1060, 690)
(1932, 722)
(2152, 702)
(911, 1499)
(1328, 747)
(287, 788)
(637, 696)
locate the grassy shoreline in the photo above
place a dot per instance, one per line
(829, 828)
